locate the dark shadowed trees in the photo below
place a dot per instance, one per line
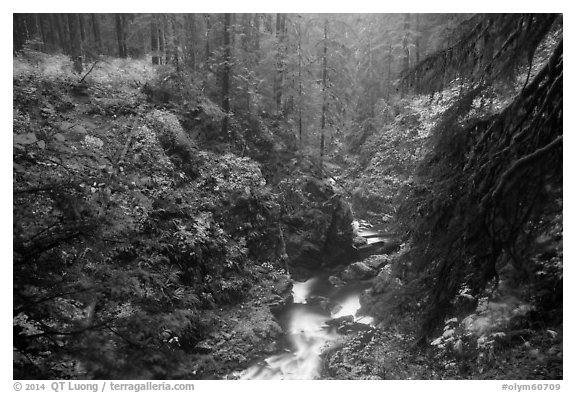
(496, 174)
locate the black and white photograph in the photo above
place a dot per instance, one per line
(286, 196)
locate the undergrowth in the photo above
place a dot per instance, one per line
(125, 232)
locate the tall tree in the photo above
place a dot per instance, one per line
(75, 41)
(406, 46)
(121, 35)
(20, 34)
(154, 40)
(280, 53)
(50, 32)
(190, 40)
(324, 93)
(162, 52)
(161, 40)
(417, 38)
(207, 49)
(406, 43)
(389, 71)
(40, 31)
(373, 85)
(300, 91)
(256, 31)
(82, 21)
(97, 32)
(226, 70)
(61, 26)
(172, 41)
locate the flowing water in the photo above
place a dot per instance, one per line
(316, 301)
(307, 333)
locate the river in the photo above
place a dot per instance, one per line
(306, 331)
(307, 334)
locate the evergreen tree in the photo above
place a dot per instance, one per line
(496, 174)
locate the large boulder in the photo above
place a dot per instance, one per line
(358, 271)
(338, 247)
(318, 224)
(376, 261)
(283, 286)
(385, 280)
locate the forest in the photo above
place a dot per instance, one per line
(287, 196)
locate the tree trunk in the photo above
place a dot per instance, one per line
(177, 56)
(65, 33)
(121, 35)
(154, 41)
(269, 23)
(172, 55)
(34, 26)
(82, 22)
(57, 28)
(49, 31)
(40, 31)
(279, 79)
(371, 79)
(20, 32)
(190, 40)
(289, 70)
(28, 26)
(405, 44)
(256, 30)
(246, 37)
(226, 74)
(207, 36)
(389, 78)
(97, 33)
(75, 41)
(232, 30)
(405, 49)
(324, 95)
(300, 95)
(161, 41)
(417, 43)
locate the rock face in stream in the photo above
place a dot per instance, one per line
(382, 247)
(366, 269)
(358, 271)
(318, 224)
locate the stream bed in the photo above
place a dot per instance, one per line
(307, 326)
(307, 333)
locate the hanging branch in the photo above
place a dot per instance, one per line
(520, 164)
(520, 35)
(486, 181)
